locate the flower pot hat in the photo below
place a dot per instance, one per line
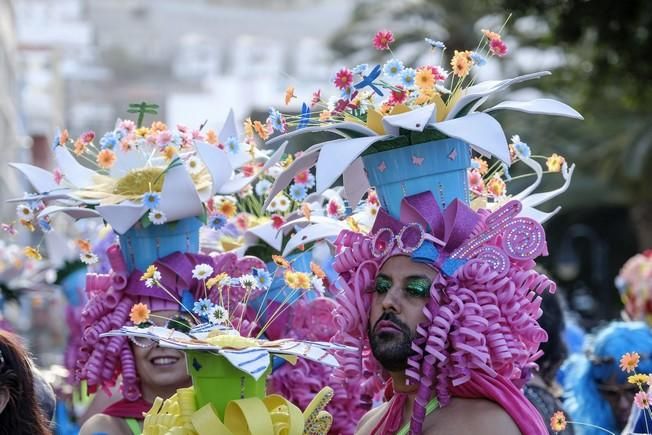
(634, 282)
(409, 135)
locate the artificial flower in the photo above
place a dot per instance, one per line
(393, 68)
(219, 280)
(316, 98)
(261, 130)
(555, 162)
(490, 35)
(218, 315)
(335, 208)
(629, 361)
(194, 165)
(24, 212)
(32, 253)
(498, 47)
(461, 63)
(306, 211)
(109, 141)
(87, 137)
(277, 221)
(424, 78)
(202, 271)
(149, 273)
(281, 262)
(169, 152)
(139, 313)
(263, 278)
(80, 147)
(298, 192)
(317, 270)
(289, 94)
(227, 208)
(88, 258)
(382, 39)
(343, 78)
(211, 137)
(262, 187)
(248, 282)
(480, 164)
(496, 186)
(106, 158)
(302, 280)
(435, 44)
(305, 178)
(290, 278)
(27, 224)
(202, 307)
(232, 144)
(149, 282)
(408, 76)
(217, 221)
(83, 245)
(151, 200)
(558, 421)
(157, 217)
(642, 399)
(57, 175)
(638, 379)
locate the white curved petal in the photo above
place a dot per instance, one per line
(312, 233)
(74, 212)
(481, 131)
(414, 120)
(40, 179)
(179, 197)
(217, 164)
(356, 183)
(335, 156)
(122, 216)
(305, 161)
(80, 176)
(540, 198)
(126, 161)
(538, 170)
(229, 128)
(542, 106)
(482, 90)
(538, 215)
(267, 233)
(339, 128)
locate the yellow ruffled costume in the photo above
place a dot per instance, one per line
(272, 415)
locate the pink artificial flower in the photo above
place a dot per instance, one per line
(277, 221)
(58, 175)
(498, 47)
(302, 177)
(197, 135)
(438, 72)
(248, 170)
(343, 78)
(476, 184)
(372, 198)
(383, 39)
(316, 97)
(182, 128)
(87, 137)
(242, 221)
(164, 138)
(399, 95)
(9, 229)
(127, 125)
(642, 399)
(334, 208)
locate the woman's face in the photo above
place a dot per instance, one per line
(160, 367)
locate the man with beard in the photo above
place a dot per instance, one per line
(447, 306)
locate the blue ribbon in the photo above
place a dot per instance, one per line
(428, 253)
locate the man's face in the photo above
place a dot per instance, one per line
(401, 290)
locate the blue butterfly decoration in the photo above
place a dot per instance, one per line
(369, 79)
(305, 116)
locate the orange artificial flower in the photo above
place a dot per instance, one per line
(281, 262)
(261, 130)
(139, 313)
(211, 137)
(169, 152)
(558, 421)
(80, 147)
(629, 362)
(227, 208)
(317, 270)
(106, 158)
(289, 94)
(83, 245)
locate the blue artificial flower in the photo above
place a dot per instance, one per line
(119, 134)
(232, 144)
(298, 192)
(478, 59)
(305, 116)
(407, 77)
(202, 307)
(359, 69)
(217, 221)
(109, 140)
(393, 68)
(475, 164)
(262, 187)
(506, 171)
(151, 200)
(276, 119)
(435, 44)
(263, 278)
(521, 148)
(44, 225)
(57, 139)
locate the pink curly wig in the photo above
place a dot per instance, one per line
(111, 296)
(481, 326)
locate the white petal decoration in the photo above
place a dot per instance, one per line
(538, 170)
(480, 130)
(311, 233)
(267, 233)
(538, 215)
(356, 183)
(540, 198)
(217, 164)
(414, 120)
(477, 94)
(122, 216)
(229, 128)
(80, 176)
(179, 197)
(335, 156)
(305, 161)
(40, 179)
(339, 128)
(126, 161)
(74, 212)
(63, 195)
(541, 106)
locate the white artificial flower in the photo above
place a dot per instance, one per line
(157, 217)
(194, 165)
(24, 212)
(202, 271)
(248, 282)
(156, 275)
(88, 258)
(262, 187)
(149, 282)
(318, 285)
(283, 202)
(218, 315)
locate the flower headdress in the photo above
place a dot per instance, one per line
(634, 282)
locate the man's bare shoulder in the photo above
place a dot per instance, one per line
(370, 419)
(106, 424)
(470, 417)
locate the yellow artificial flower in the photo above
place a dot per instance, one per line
(324, 115)
(496, 186)
(291, 279)
(32, 253)
(483, 166)
(169, 152)
(149, 273)
(461, 63)
(555, 162)
(289, 94)
(142, 131)
(638, 379)
(216, 280)
(558, 421)
(227, 208)
(424, 78)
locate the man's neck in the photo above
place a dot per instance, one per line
(399, 383)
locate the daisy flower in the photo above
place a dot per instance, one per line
(32, 253)
(382, 39)
(109, 140)
(393, 68)
(227, 208)
(298, 192)
(629, 362)
(151, 200)
(232, 145)
(555, 162)
(211, 137)
(88, 258)
(218, 315)
(220, 280)
(202, 307)
(498, 47)
(335, 207)
(281, 262)
(408, 76)
(289, 94)
(496, 186)
(435, 44)
(149, 282)
(248, 282)
(194, 165)
(558, 421)
(106, 158)
(263, 278)
(303, 280)
(642, 399)
(424, 78)
(24, 212)
(157, 217)
(149, 273)
(478, 59)
(216, 221)
(638, 379)
(202, 271)
(262, 187)
(343, 78)
(521, 148)
(317, 284)
(461, 63)
(139, 313)
(480, 164)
